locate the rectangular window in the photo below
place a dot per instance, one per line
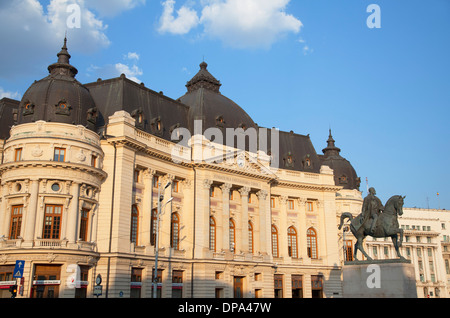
(177, 284)
(317, 286)
(297, 286)
(136, 283)
(16, 221)
(84, 222)
(158, 282)
(349, 251)
(272, 203)
(81, 292)
(309, 206)
(6, 273)
(18, 154)
(134, 224)
(176, 185)
(238, 287)
(52, 222)
(291, 204)
(59, 155)
(46, 273)
(278, 285)
(94, 161)
(156, 182)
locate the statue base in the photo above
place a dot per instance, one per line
(394, 278)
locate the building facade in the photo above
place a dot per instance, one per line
(165, 197)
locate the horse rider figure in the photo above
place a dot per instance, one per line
(371, 208)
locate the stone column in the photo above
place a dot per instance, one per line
(202, 210)
(244, 220)
(94, 223)
(31, 211)
(166, 213)
(264, 223)
(72, 217)
(282, 231)
(4, 216)
(224, 235)
(146, 210)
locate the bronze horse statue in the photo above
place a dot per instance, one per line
(386, 226)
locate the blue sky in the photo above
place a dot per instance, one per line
(301, 65)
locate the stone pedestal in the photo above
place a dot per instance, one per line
(379, 279)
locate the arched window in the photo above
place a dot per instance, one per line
(153, 227)
(232, 235)
(250, 237)
(175, 231)
(292, 242)
(212, 234)
(274, 241)
(134, 223)
(311, 243)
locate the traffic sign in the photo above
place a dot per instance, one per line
(18, 270)
(98, 290)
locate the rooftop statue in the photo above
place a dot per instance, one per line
(376, 220)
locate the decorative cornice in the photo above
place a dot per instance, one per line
(53, 164)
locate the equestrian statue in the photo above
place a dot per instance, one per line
(376, 220)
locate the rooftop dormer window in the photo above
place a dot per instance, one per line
(63, 108)
(220, 121)
(156, 125)
(28, 108)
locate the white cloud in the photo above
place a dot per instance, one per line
(130, 72)
(90, 36)
(307, 50)
(111, 8)
(32, 33)
(186, 19)
(132, 56)
(237, 23)
(12, 95)
(129, 68)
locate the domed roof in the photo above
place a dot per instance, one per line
(210, 106)
(344, 173)
(59, 97)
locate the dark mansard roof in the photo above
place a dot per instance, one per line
(59, 97)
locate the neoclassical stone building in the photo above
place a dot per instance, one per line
(109, 178)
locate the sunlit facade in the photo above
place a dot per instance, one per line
(84, 168)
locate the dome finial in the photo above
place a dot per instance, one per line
(203, 65)
(63, 55)
(331, 148)
(203, 79)
(63, 65)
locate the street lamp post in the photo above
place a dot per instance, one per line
(158, 214)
